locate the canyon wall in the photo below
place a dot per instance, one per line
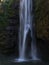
(9, 23)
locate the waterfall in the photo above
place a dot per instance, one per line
(25, 26)
(26, 21)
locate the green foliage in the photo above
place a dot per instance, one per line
(4, 15)
(6, 12)
(42, 18)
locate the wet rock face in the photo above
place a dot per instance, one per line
(9, 34)
(42, 18)
(41, 22)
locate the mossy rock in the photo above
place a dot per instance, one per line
(41, 11)
(42, 18)
(8, 30)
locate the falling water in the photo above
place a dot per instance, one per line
(26, 25)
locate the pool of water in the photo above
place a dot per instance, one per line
(6, 60)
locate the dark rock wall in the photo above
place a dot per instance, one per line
(9, 32)
(42, 18)
(41, 9)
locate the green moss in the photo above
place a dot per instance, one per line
(42, 18)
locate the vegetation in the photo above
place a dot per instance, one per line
(4, 13)
(8, 11)
(42, 18)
